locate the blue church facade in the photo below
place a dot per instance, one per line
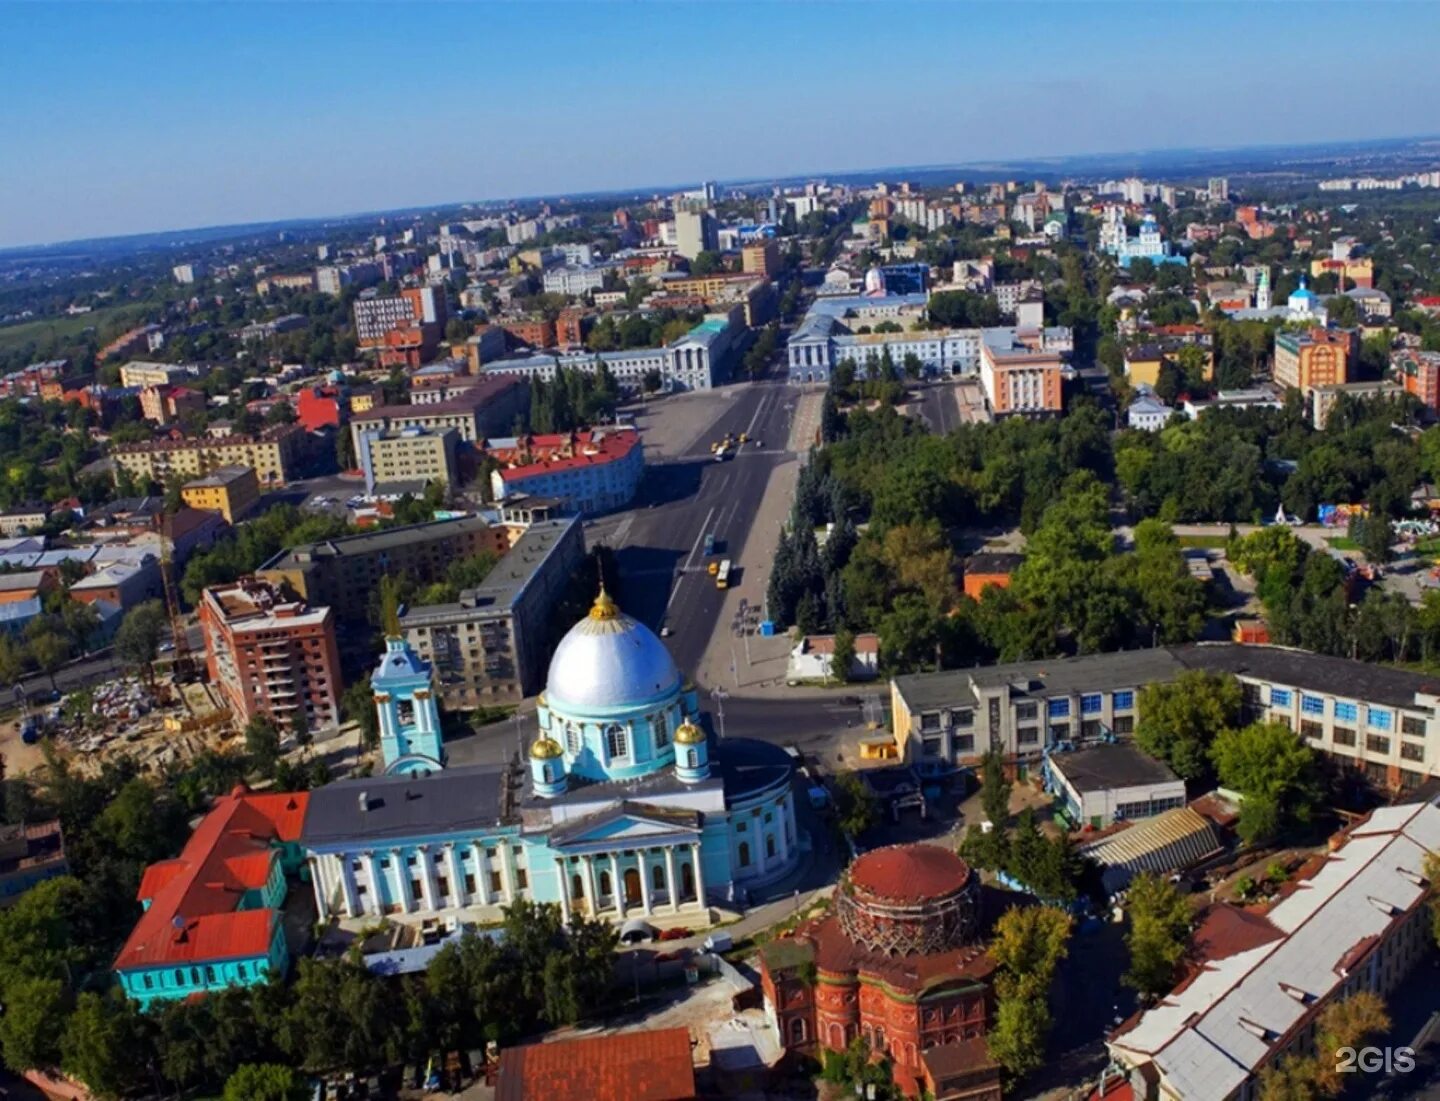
(624, 808)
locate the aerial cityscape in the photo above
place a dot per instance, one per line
(588, 562)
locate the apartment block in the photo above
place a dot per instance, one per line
(488, 408)
(1315, 357)
(166, 404)
(405, 329)
(1384, 722)
(343, 574)
(761, 258)
(406, 459)
(492, 645)
(337, 278)
(271, 655)
(1020, 380)
(140, 373)
(271, 454)
(232, 491)
(1419, 373)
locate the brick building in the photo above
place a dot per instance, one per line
(404, 329)
(270, 654)
(897, 961)
(1316, 357)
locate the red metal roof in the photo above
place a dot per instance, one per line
(192, 914)
(907, 873)
(628, 1066)
(591, 449)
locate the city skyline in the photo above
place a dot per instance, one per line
(172, 117)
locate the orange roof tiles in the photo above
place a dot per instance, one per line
(910, 872)
(192, 914)
(629, 1066)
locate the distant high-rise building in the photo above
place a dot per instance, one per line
(1219, 189)
(695, 233)
(1134, 191)
(187, 273)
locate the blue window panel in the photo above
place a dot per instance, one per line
(1312, 705)
(1124, 701)
(1091, 704)
(1346, 712)
(1279, 697)
(1377, 719)
(1059, 709)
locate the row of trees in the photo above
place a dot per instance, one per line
(573, 399)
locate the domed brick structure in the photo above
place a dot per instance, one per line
(897, 962)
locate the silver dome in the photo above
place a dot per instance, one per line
(609, 660)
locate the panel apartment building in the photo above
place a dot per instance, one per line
(344, 573)
(271, 454)
(488, 408)
(492, 645)
(270, 655)
(1383, 721)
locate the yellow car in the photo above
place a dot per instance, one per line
(744, 437)
(714, 568)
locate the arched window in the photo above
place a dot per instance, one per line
(657, 877)
(572, 739)
(616, 742)
(687, 880)
(661, 725)
(744, 854)
(769, 845)
(604, 883)
(577, 888)
(797, 1030)
(692, 759)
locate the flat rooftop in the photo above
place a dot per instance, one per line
(1108, 767)
(504, 584)
(1041, 679)
(376, 542)
(454, 801)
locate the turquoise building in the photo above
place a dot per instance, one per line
(623, 808)
(212, 916)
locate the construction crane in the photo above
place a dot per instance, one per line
(183, 666)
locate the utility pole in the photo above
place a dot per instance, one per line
(719, 695)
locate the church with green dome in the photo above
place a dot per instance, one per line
(623, 808)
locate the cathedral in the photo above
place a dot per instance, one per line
(624, 808)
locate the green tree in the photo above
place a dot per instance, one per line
(843, 656)
(995, 789)
(34, 1019)
(1179, 720)
(49, 650)
(1160, 918)
(1277, 774)
(358, 705)
(262, 744)
(1028, 945)
(107, 1044)
(264, 1082)
(855, 807)
(137, 641)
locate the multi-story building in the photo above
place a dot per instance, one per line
(258, 331)
(188, 273)
(491, 646)
(695, 233)
(1419, 373)
(271, 655)
(572, 326)
(30, 853)
(585, 471)
(318, 407)
(336, 278)
(536, 332)
(574, 281)
(1350, 272)
(1383, 721)
(167, 404)
(1219, 189)
(232, 491)
(488, 408)
(761, 258)
(1323, 399)
(404, 329)
(303, 282)
(212, 916)
(1315, 357)
(485, 344)
(406, 459)
(123, 584)
(141, 373)
(1021, 380)
(1352, 919)
(343, 573)
(271, 454)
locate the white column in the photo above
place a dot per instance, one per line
(561, 871)
(671, 883)
(428, 887)
(587, 884)
(482, 873)
(640, 857)
(507, 871)
(377, 881)
(347, 884)
(457, 876)
(699, 875)
(781, 844)
(617, 886)
(759, 835)
(402, 878)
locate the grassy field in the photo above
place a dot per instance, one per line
(1202, 542)
(66, 329)
(1342, 542)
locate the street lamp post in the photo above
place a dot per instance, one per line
(719, 695)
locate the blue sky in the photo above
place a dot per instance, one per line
(122, 118)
